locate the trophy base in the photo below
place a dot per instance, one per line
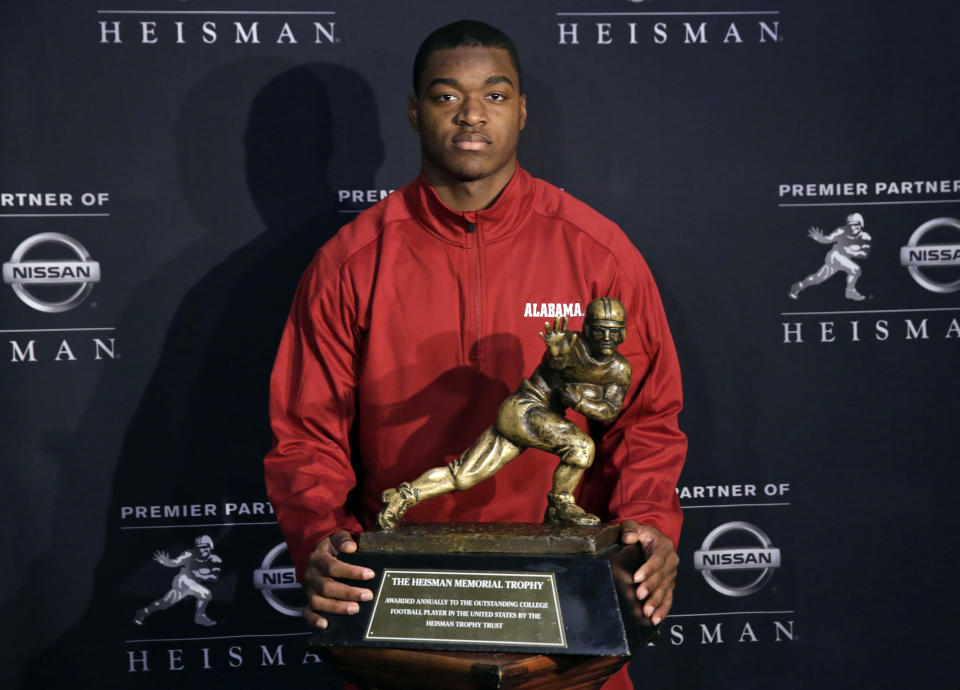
(405, 669)
(494, 587)
(490, 537)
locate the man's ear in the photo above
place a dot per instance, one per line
(413, 112)
(523, 110)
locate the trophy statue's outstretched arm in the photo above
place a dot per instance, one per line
(560, 342)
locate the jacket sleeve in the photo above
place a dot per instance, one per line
(644, 446)
(312, 406)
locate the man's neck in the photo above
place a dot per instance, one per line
(474, 195)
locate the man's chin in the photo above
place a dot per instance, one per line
(470, 166)
(470, 174)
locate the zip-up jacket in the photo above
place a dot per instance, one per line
(411, 326)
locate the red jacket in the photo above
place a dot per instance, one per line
(411, 326)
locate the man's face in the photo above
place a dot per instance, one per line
(469, 114)
(602, 340)
(856, 226)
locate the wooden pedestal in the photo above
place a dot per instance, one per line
(403, 669)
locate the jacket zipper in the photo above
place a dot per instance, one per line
(474, 240)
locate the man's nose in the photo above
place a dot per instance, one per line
(472, 112)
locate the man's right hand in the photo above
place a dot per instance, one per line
(324, 593)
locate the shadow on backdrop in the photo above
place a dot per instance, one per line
(200, 431)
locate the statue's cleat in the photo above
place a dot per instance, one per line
(140, 616)
(794, 291)
(203, 619)
(395, 503)
(562, 510)
(388, 519)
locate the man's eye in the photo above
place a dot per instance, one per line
(446, 97)
(497, 97)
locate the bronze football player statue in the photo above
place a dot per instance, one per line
(579, 370)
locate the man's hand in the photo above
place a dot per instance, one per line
(326, 594)
(816, 235)
(657, 576)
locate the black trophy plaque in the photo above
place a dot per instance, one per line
(493, 587)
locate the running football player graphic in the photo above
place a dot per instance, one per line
(850, 242)
(197, 563)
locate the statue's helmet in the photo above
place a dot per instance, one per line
(606, 311)
(855, 218)
(204, 541)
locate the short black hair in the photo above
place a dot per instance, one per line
(466, 33)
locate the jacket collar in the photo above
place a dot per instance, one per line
(506, 216)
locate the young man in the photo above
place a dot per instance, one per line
(408, 330)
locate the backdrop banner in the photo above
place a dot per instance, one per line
(789, 170)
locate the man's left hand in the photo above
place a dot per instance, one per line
(657, 577)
